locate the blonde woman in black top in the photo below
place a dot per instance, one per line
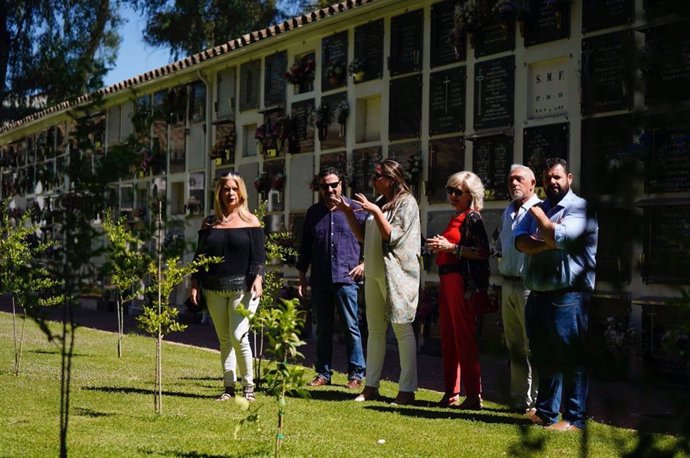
(234, 234)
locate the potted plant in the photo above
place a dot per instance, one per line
(262, 183)
(508, 10)
(334, 73)
(469, 18)
(278, 181)
(321, 119)
(356, 69)
(301, 73)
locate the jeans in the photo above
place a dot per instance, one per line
(323, 302)
(557, 324)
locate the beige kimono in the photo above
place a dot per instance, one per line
(402, 260)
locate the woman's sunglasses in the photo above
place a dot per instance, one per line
(377, 175)
(454, 191)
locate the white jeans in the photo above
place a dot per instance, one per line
(375, 298)
(232, 330)
(523, 380)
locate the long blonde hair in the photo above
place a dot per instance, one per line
(393, 170)
(473, 184)
(243, 211)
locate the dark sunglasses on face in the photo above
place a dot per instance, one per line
(377, 175)
(325, 186)
(454, 191)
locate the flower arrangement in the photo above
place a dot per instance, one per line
(262, 184)
(301, 73)
(334, 73)
(469, 17)
(507, 10)
(356, 69)
(278, 181)
(273, 135)
(413, 172)
(321, 118)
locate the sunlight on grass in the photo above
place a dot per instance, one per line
(112, 412)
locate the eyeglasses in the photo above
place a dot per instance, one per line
(325, 186)
(229, 173)
(377, 175)
(454, 191)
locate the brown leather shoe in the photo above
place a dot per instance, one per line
(562, 426)
(534, 418)
(471, 403)
(319, 380)
(404, 398)
(353, 384)
(369, 393)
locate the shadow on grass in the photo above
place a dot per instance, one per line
(197, 454)
(56, 352)
(444, 414)
(333, 395)
(201, 379)
(147, 391)
(81, 411)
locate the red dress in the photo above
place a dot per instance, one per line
(460, 353)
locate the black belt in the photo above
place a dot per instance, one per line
(511, 278)
(571, 289)
(449, 268)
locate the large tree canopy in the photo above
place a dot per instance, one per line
(189, 26)
(53, 50)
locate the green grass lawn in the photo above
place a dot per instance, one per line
(112, 412)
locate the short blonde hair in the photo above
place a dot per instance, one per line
(243, 211)
(472, 183)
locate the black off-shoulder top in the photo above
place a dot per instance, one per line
(242, 250)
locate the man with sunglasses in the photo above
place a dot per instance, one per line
(330, 248)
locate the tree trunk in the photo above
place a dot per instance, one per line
(66, 373)
(103, 15)
(120, 325)
(4, 49)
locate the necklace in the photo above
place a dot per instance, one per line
(227, 219)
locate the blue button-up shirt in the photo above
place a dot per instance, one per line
(572, 264)
(328, 246)
(512, 261)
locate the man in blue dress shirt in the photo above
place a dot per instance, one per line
(560, 238)
(331, 249)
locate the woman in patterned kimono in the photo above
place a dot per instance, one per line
(391, 270)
